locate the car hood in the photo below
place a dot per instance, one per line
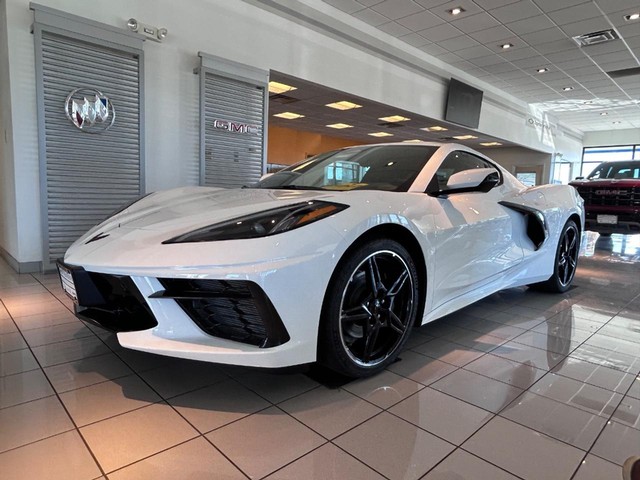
(607, 182)
(182, 210)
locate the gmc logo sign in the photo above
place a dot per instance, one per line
(611, 192)
(236, 127)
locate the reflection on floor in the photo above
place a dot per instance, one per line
(520, 385)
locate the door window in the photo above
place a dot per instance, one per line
(455, 162)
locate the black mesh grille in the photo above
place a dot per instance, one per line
(618, 196)
(233, 309)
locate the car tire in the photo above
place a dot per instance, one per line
(566, 260)
(369, 310)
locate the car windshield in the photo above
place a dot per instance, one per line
(390, 167)
(616, 171)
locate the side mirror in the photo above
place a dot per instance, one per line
(579, 178)
(474, 180)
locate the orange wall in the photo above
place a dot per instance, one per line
(286, 146)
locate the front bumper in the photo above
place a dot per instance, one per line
(626, 223)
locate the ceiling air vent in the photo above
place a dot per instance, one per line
(283, 99)
(391, 125)
(595, 38)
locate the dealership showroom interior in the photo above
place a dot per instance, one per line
(320, 239)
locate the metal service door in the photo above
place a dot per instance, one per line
(89, 107)
(233, 109)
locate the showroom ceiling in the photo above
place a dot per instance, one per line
(578, 85)
(310, 100)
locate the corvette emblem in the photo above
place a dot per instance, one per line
(89, 110)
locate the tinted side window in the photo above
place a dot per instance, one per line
(457, 162)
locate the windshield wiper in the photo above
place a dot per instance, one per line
(294, 187)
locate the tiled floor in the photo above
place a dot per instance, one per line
(521, 385)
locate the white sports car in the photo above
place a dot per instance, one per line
(332, 260)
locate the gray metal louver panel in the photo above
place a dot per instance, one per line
(232, 159)
(87, 175)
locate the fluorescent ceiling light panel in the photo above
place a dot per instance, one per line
(394, 118)
(490, 144)
(277, 87)
(381, 134)
(464, 137)
(288, 115)
(435, 128)
(339, 125)
(343, 105)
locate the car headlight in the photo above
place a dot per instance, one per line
(263, 224)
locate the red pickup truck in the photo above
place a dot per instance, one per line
(611, 196)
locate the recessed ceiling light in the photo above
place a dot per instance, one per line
(602, 114)
(339, 125)
(542, 70)
(277, 87)
(343, 105)
(456, 11)
(415, 140)
(380, 134)
(633, 16)
(505, 46)
(464, 137)
(435, 128)
(589, 102)
(617, 122)
(567, 89)
(490, 144)
(288, 115)
(394, 118)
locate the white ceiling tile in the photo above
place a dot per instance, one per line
(620, 65)
(616, 5)
(565, 45)
(581, 61)
(395, 9)
(614, 46)
(585, 26)
(519, 53)
(615, 57)
(532, 62)
(440, 32)
(473, 52)
(448, 57)
(563, 56)
(629, 31)
(543, 36)
(369, 3)
(515, 11)
(458, 43)
(487, 61)
(433, 49)
(501, 68)
(552, 5)
(420, 21)
(491, 4)
(415, 39)
(394, 28)
(553, 75)
(371, 17)
(513, 76)
(582, 72)
(430, 3)
(348, 6)
(531, 24)
(442, 11)
(475, 23)
(574, 14)
(492, 35)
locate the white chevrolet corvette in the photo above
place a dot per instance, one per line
(332, 260)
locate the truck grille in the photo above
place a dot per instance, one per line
(615, 196)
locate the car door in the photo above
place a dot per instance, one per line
(475, 238)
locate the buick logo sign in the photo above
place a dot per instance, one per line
(89, 110)
(235, 127)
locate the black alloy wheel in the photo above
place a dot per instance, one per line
(566, 260)
(370, 309)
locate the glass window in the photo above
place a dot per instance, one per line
(389, 167)
(594, 156)
(617, 170)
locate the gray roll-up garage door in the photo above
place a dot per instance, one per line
(233, 128)
(87, 173)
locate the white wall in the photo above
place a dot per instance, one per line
(245, 33)
(8, 220)
(512, 157)
(629, 136)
